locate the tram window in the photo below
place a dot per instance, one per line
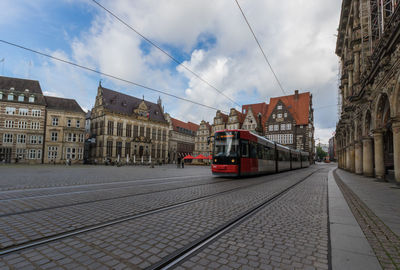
(260, 154)
(245, 148)
(253, 150)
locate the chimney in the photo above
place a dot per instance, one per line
(296, 94)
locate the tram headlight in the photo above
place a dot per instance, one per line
(233, 160)
(215, 160)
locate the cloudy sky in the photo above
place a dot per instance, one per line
(208, 36)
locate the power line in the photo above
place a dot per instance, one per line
(165, 52)
(108, 75)
(324, 107)
(262, 51)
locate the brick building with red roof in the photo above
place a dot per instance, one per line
(181, 138)
(290, 121)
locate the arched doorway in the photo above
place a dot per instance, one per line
(383, 122)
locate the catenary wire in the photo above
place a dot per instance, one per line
(164, 52)
(262, 51)
(108, 75)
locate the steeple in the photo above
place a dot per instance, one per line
(159, 102)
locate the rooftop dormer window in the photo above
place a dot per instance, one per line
(1, 95)
(10, 97)
(21, 98)
(32, 99)
(279, 107)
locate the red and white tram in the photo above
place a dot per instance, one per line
(241, 153)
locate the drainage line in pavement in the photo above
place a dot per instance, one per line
(179, 255)
(59, 236)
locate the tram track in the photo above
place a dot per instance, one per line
(180, 255)
(103, 199)
(54, 237)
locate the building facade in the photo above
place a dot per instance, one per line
(181, 138)
(202, 140)
(368, 132)
(255, 117)
(65, 131)
(22, 121)
(332, 149)
(290, 121)
(235, 119)
(128, 129)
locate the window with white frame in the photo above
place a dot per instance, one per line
(32, 153)
(80, 153)
(276, 127)
(20, 153)
(270, 128)
(10, 97)
(288, 126)
(39, 154)
(54, 121)
(69, 122)
(21, 138)
(31, 99)
(279, 115)
(21, 98)
(71, 153)
(273, 116)
(23, 111)
(283, 126)
(291, 138)
(279, 107)
(54, 136)
(8, 123)
(78, 123)
(71, 137)
(35, 125)
(40, 139)
(33, 139)
(52, 152)
(309, 134)
(10, 110)
(36, 113)
(285, 114)
(22, 124)
(7, 138)
(81, 137)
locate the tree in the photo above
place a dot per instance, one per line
(321, 154)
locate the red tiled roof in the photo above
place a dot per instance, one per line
(256, 109)
(178, 123)
(299, 108)
(224, 117)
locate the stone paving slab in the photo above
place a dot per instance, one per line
(350, 247)
(142, 242)
(290, 233)
(381, 197)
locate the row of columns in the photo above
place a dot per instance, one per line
(360, 156)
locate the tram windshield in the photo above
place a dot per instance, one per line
(226, 144)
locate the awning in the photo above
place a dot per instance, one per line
(200, 157)
(188, 157)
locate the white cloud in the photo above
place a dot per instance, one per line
(296, 35)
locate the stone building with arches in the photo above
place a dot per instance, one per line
(368, 44)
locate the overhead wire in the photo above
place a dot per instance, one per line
(164, 52)
(259, 45)
(107, 75)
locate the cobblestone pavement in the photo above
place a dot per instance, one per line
(141, 242)
(384, 242)
(290, 233)
(23, 176)
(56, 220)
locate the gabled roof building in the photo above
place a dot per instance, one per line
(128, 129)
(290, 121)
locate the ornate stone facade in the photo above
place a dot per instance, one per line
(202, 140)
(368, 132)
(255, 117)
(22, 120)
(128, 129)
